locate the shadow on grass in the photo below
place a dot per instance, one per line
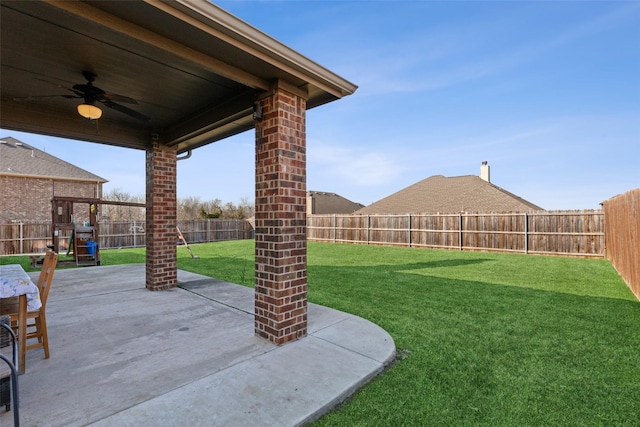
(489, 354)
(479, 353)
(443, 263)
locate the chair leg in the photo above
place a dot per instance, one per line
(42, 335)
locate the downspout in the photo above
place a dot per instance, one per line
(186, 156)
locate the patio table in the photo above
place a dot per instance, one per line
(15, 282)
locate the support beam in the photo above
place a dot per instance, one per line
(281, 245)
(161, 232)
(122, 26)
(25, 117)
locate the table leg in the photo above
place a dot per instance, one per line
(22, 334)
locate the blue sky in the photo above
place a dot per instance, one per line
(548, 92)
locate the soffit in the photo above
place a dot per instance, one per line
(194, 69)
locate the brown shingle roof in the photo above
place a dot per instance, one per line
(440, 194)
(20, 159)
(331, 203)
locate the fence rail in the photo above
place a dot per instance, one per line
(569, 233)
(23, 238)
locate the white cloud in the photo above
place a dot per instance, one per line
(436, 59)
(352, 167)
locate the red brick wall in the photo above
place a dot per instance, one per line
(161, 262)
(29, 199)
(280, 229)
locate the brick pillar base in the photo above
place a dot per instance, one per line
(280, 229)
(161, 218)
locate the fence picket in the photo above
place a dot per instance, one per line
(21, 238)
(572, 233)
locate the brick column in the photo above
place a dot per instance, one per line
(281, 218)
(161, 217)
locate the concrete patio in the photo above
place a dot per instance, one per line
(124, 356)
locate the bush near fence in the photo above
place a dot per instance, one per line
(24, 238)
(623, 236)
(567, 233)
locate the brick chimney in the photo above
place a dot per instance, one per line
(484, 171)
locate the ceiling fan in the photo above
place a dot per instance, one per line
(92, 94)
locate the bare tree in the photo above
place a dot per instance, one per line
(188, 208)
(248, 208)
(119, 212)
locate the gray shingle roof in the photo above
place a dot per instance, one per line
(20, 159)
(440, 194)
(331, 203)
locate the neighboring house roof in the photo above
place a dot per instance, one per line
(20, 159)
(331, 203)
(440, 194)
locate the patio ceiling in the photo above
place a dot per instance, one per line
(194, 70)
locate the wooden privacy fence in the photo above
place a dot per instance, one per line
(569, 233)
(623, 236)
(213, 230)
(24, 238)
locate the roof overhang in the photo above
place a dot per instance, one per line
(52, 178)
(194, 69)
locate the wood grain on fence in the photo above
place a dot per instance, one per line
(622, 215)
(21, 238)
(24, 238)
(214, 230)
(571, 233)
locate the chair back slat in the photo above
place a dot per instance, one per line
(46, 275)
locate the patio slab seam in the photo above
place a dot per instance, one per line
(181, 286)
(246, 392)
(317, 335)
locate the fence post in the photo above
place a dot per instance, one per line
(21, 238)
(368, 229)
(135, 234)
(409, 230)
(334, 228)
(526, 233)
(460, 229)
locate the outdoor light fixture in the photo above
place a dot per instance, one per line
(89, 111)
(257, 111)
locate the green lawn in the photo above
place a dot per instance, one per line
(483, 338)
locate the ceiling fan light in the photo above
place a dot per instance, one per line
(89, 111)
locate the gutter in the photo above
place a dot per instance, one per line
(244, 36)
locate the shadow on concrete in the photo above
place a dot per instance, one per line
(124, 356)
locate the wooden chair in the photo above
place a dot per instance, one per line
(37, 329)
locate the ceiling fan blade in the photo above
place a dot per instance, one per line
(125, 110)
(120, 98)
(35, 98)
(91, 94)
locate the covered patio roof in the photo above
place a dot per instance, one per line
(172, 77)
(192, 68)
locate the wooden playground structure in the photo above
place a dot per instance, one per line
(84, 234)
